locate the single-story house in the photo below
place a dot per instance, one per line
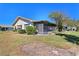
(69, 28)
(42, 26)
(5, 27)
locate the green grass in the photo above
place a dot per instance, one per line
(72, 33)
(9, 41)
(57, 41)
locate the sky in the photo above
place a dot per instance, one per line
(35, 11)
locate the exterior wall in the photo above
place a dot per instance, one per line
(51, 28)
(20, 22)
(44, 28)
(40, 28)
(48, 28)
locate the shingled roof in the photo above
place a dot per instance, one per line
(21, 18)
(33, 21)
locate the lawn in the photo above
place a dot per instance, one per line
(11, 41)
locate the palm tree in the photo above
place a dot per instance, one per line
(58, 17)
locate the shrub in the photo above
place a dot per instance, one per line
(77, 42)
(30, 30)
(15, 30)
(21, 31)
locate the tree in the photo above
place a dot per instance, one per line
(58, 17)
(69, 22)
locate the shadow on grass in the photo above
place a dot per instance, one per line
(70, 38)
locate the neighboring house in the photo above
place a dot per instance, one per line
(41, 26)
(5, 28)
(74, 28)
(69, 28)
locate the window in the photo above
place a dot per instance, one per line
(19, 26)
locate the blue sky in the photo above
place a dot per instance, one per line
(35, 11)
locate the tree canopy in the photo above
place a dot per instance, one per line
(58, 17)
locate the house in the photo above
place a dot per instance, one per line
(5, 27)
(74, 28)
(69, 28)
(42, 26)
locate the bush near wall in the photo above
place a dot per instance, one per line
(14, 30)
(21, 31)
(30, 30)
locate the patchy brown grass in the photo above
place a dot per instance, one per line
(11, 41)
